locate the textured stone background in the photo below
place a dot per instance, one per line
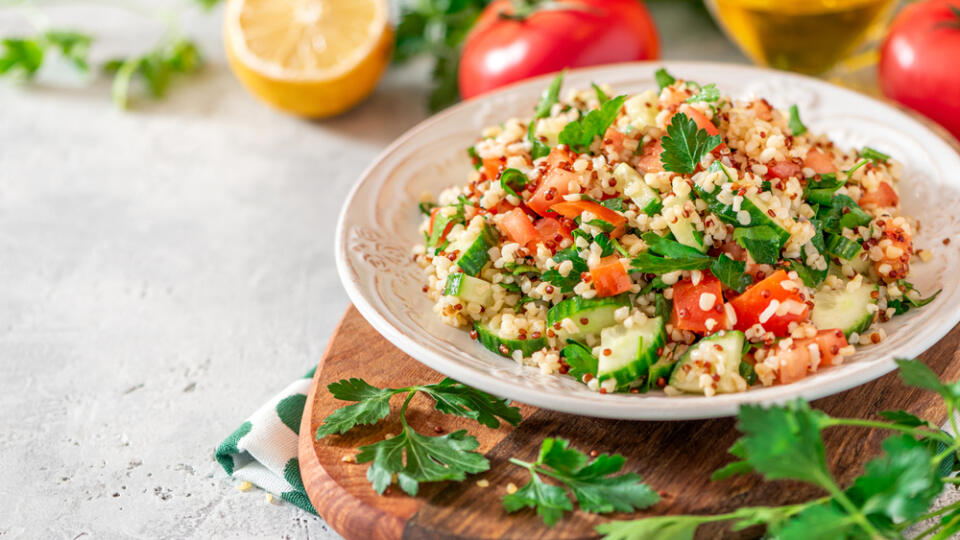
(163, 271)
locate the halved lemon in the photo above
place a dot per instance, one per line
(312, 58)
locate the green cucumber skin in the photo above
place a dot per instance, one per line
(473, 259)
(646, 356)
(454, 284)
(492, 342)
(576, 307)
(734, 335)
(859, 326)
(468, 288)
(661, 368)
(725, 212)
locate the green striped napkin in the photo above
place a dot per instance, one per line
(263, 450)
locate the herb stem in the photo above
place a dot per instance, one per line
(838, 495)
(933, 514)
(916, 431)
(521, 463)
(403, 409)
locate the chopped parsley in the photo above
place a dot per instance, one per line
(685, 144)
(580, 134)
(796, 125)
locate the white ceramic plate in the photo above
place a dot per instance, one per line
(378, 227)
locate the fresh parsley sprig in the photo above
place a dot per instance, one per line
(594, 483)
(580, 134)
(24, 56)
(685, 144)
(409, 455)
(785, 442)
(156, 68)
(549, 98)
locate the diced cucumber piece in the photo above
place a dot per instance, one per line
(469, 288)
(719, 354)
(645, 197)
(780, 225)
(683, 229)
(661, 369)
(632, 350)
(492, 340)
(642, 109)
(844, 309)
(590, 315)
(841, 246)
(473, 251)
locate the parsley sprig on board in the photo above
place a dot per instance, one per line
(412, 456)
(594, 483)
(893, 493)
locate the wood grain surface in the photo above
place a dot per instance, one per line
(675, 458)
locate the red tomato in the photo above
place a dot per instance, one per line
(883, 197)
(919, 60)
(700, 119)
(551, 233)
(501, 50)
(754, 301)
(687, 313)
(446, 230)
(609, 277)
(650, 158)
(559, 156)
(820, 162)
(551, 190)
(795, 361)
(573, 209)
(783, 169)
(614, 139)
(518, 228)
(491, 167)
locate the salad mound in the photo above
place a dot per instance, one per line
(673, 240)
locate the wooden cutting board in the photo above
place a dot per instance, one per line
(675, 458)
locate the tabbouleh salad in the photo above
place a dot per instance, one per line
(674, 239)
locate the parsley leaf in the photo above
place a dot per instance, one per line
(783, 442)
(23, 57)
(156, 68)
(602, 96)
(663, 78)
(899, 485)
(916, 373)
(651, 264)
(595, 484)
(685, 144)
(707, 94)
(413, 457)
(512, 181)
(810, 277)
(874, 155)
(550, 96)
(659, 527)
(580, 134)
(670, 248)
(762, 242)
(458, 399)
(566, 284)
(819, 521)
(428, 459)
(796, 125)
(904, 303)
(579, 358)
(731, 273)
(373, 406)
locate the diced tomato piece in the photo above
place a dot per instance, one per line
(894, 268)
(650, 158)
(559, 156)
(687, 308)
(795, 361)
(573, 209)
(673, 98)
(755, 301)
(609, 277)
(783, 169)
(614, 139)
(551, 190)
(820, 162)
(882, 197)
(701, 119)
(518, 228)
(446, 230)
(491, 167)
(502, 207)
(551, 233)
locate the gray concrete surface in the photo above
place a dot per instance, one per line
(163, 271)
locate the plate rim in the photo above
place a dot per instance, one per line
(611, 406)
